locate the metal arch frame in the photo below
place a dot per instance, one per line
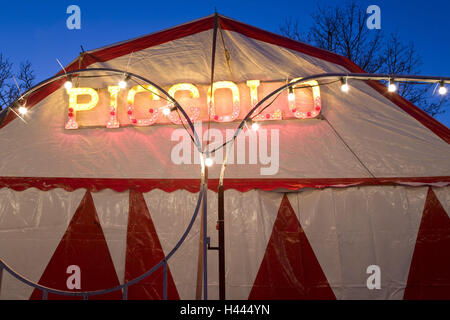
(203, 189)
(323, 76)
(163, 263)
(338, 76)
(119, 72)
(328, 76)
(124, 287)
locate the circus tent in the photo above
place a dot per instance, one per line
(364, 183)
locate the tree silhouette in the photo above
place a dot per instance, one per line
(342, 29)
(13, 84)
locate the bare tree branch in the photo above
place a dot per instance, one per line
(342, 29)
(402, 58)
(8, 88)
(26, 75)
(291, 28)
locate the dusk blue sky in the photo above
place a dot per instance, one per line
(36, 30)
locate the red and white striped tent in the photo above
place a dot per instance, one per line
(367, 186)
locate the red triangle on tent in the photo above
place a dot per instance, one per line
(144, 251)
(82, 245)
(429, 274)
(289, 270)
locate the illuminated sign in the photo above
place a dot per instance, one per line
(143, 105)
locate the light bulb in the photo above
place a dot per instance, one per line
(392, 86)
(255, 126)
(22, 110)
(166, 111)
(68, 85)
(442, 89)
(344, 87)
(291, 94)
(209, 162)
(122, 84)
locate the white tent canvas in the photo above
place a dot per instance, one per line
(362, 181)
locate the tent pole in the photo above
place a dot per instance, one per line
(205, 237)
(203, 243)
(220, 221)
(198, 291)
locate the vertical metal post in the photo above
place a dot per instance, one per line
(1, 277)
(205, 236)
(205, 196)
(221, 222)
(165, 280)
(203, 246)
(125, 293)
(44, 294)
(198, 290)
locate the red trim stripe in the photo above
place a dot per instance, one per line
(424, 118)
(116, 51)
(435, 126)
(278, 40)
(193, 185)
(148, 41)
(185, 30)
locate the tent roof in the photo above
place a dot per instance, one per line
(372, 132)
(119, 49)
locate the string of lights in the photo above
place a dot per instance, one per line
(20, 102)
(206, 160)
(162, 263)
(345, 87)
(392, 86)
